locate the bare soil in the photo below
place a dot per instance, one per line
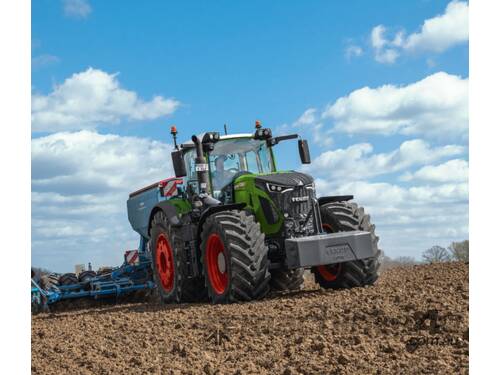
(413, 321)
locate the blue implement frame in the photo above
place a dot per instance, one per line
(120, 281)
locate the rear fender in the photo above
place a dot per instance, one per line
(170, 212)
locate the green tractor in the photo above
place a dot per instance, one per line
(230, 226)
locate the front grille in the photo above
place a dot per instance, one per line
(293, 195)
(294, 207)
(300, 218)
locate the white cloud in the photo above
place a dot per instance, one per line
(436, 35)
(359, 162)
(456, 170)
(43, 60)
(90, 98)
(76, 8)
(431, 208)
(80, 185)
(435, 106)
(409, 220)
(307, 118)
(384, 51)
(442, 32)
(353, 51)
(308, 124)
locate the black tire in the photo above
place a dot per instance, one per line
(237, 240)
(49, 281)
(287, 280)
(180, 288)
(68, 279)
(195, 291)
(343, 217)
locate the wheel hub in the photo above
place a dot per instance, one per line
(221, 263)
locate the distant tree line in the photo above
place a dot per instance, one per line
(457, 251)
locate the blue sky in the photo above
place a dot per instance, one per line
(295, 65)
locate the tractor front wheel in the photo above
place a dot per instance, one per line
(343, 217)
(234, 257)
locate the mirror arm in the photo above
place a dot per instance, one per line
(275, 140)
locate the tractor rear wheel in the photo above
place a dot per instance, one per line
(287, 280)
(169, 264)
(234, 257)
(343, 217)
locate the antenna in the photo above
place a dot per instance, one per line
(173, 131)
(225, 129)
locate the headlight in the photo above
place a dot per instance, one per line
(310, 186)
(273, 188)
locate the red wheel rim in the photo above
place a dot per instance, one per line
(329, 272)
(215, 260)
(165, 262)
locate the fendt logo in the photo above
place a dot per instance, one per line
(305, 198)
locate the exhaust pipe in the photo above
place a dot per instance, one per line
(201, 166)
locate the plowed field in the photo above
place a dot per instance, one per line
(414, 320)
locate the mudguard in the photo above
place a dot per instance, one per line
(170, 212)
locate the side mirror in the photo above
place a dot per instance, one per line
(305, 157)
(178, 163)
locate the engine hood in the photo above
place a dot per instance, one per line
(291, 178)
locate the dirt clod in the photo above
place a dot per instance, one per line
(414, 320)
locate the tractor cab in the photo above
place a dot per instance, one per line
(229, 157)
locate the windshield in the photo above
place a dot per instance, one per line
(231, 156)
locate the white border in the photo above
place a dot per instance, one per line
(484, 189)
(15, 86)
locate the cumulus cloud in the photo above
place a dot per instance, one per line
(436, 35)
(353, 51)
(456, 170)
(359, 161)
(76, 8)
(309, 124)
(385, 51)
(429, 208)
(441, 32)
(90, 98)
(409, 220)
(80, 185)
(435, 106)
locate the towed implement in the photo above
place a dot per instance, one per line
(131, 278)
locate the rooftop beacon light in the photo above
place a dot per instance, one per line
(173, 131)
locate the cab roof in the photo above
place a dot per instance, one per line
(222, 137)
